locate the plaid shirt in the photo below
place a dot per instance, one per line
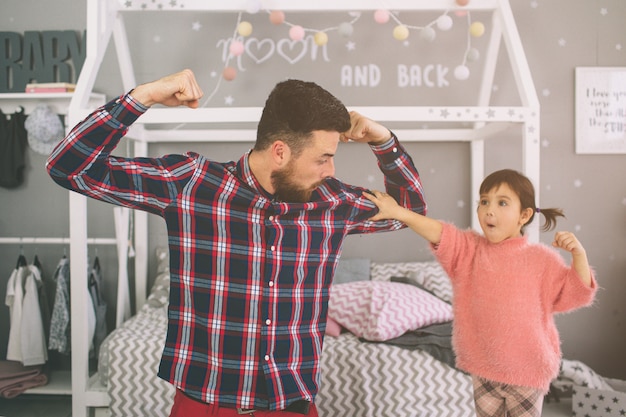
(249, 275)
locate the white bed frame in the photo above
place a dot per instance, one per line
(105, 19)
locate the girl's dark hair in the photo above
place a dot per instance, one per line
(522, 186)
(294, 109)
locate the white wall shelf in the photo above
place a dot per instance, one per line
(58, 102)
(60, 382)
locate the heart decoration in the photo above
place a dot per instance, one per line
(260, 51)
(292, 51)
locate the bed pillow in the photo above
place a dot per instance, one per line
(410, 281)
(428, 274)
(332, 327)
(379, 310)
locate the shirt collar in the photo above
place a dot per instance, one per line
(243, 168)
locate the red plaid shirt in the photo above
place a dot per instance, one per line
(249, 275)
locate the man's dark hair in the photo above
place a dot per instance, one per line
(294, 109)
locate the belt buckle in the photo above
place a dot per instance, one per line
(249, 411)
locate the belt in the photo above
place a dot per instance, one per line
(298, 407)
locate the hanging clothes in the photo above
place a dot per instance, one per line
(60, 321)
(13, 143)
(100, 306)
(60, 324)
(27, 340)
(14, 300)
(91, 319)
(44, 302)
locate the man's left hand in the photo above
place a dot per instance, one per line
(365, 130)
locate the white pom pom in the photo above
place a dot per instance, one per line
(444, 22)
(461, 72)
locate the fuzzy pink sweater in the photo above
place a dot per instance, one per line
(505, 297)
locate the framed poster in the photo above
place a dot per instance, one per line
(600, 110)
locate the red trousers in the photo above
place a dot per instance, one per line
(187, 407)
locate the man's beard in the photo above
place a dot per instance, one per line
(286, 190)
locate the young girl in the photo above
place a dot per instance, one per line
(506, 291)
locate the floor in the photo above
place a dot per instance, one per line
(36, 406)
(60, 406)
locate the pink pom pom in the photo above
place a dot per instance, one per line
(296, 33)
(381, 16)
(236, 48)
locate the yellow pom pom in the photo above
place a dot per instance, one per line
(401, 32)
(244, 29)
(477, 29)
(320, 38)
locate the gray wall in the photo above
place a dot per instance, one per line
(557, 35)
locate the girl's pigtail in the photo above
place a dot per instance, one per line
(550, 214)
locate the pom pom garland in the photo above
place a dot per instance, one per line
(381, 16)
(461, 73)
(444, 22)
(346, 29)
(296, 33)
(477, 29)
(401, 32)
(244, 29)
(277, 17)
(428, 34)
(473, 55)
(236, 48)
(229, 73)
(320, 38)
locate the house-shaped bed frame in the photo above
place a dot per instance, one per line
(105, 21)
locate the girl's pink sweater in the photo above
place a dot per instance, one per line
(505, 297)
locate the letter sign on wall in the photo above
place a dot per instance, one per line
(47, 56)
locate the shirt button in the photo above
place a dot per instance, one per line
(271, 218)
(273, 248)
(268, 322)
(267, 357)
(395, 149)
(271, 283)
